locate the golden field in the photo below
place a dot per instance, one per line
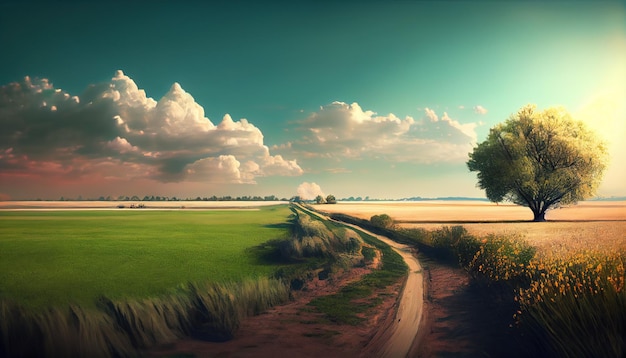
(567, 273)
(591, 225)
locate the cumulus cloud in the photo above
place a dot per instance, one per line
(340, 131)
(116, 125)
(430, 114)
(480, 110)
(467, 130)
(309, 191)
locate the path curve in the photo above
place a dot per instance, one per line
(396, 339)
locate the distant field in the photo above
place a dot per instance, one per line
(588, 225)
(52, 257)
(82, 205)
(476, 211)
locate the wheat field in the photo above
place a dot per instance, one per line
(592, 225)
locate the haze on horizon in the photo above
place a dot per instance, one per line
(378, 99)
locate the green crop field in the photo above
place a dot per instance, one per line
(58, 257)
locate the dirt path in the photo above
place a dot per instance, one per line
(297, 330)
(396, 339)
(294, 329)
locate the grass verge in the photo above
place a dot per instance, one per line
(356, 298)
(125, 328)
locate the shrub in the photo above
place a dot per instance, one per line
(349, 242)
(311, 238)
(383, 221)
(447, 240)
(500, 258)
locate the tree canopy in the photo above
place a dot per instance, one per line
(539, 159)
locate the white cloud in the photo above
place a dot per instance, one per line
(309, 191)
(480, 110)
(340, 131)
(276, 165)
(223, 169)
(468, 129)
(166, 140)
(430, 114)
(121, 145)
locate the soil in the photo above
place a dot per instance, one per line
(462, 319)
(459, 320)
(296, 329)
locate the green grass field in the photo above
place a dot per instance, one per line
(49, 258)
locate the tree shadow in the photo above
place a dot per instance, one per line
(278, 226)
(266, 253)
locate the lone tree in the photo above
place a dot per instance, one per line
(539, 159)
(330, 199)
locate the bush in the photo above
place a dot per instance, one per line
(492, 258)
(383, 221)
(311, 238)
(500, 259)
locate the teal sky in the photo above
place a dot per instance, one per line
(357, 98)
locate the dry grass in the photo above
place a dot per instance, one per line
(431, 211)
(598, 226)
(567, 274)
(470, 211)
(554, 236)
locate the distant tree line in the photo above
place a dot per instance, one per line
(174, 198)
(270, 198)
(330, 199)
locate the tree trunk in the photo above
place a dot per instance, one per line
(540, 216)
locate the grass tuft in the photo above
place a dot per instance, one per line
(124, 328)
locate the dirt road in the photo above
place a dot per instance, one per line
(396, 339)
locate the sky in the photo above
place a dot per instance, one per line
(356, 98)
